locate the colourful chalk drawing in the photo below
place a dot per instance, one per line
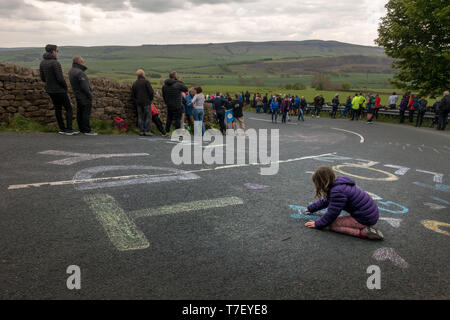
(436, 226)
(434, 206)
(121, 228)
(88, 174)
(74, 157)
(389, 176)
(437, 187)
(440, 200)
(384, 254)
(437, 177)
(252, 186)
(401, 209)
(392, 221)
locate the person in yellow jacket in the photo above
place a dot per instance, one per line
(355, 107)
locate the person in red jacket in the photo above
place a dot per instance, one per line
(411, 107)
(377, 105)
(157, 120)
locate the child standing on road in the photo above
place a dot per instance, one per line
(339, 194)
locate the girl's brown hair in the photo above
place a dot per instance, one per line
(323, 179)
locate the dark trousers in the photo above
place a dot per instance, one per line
(411, 115)
(144, 118)
(274, 115)
(61, 100)
(334, 112)
(443, 115)
(419, 120)
(300, 114)
(83, 114)
(344, 114)
(355, 114)
(158, 123)
(375, 113)
(402, 116)
(283, 118)
(221, 118)
(317, 111)
(173, 115)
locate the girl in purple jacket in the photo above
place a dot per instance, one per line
(339, 194)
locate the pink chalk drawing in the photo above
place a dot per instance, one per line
(251, 186)
(383, 254)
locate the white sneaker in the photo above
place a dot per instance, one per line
(91, 133)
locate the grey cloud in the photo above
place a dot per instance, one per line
(19, 9)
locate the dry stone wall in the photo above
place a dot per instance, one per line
(22, 92)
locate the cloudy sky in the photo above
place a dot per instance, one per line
(135, 22)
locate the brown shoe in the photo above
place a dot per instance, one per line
(372, 233)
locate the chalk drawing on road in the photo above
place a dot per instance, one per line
(332, 158)
(392, 221)
(355, 133)
(437, 177)
(388, 176)
(366, 163)
(437, 187)
(89, 173)
(384, 254)
(74, 157)
(436, 226)
(440, 200)
(434, 206)
(389, 204)
(401, 170)
(252, 186)
(121, 228)
(301, 213)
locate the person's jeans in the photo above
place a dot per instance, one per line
(317, 111)
(442, 124)
(283, 118)
(62, 100)
(173, 115)
(265, 108)
(83, 114)
(198, 121)
(334, 112)
(274, 115)
(344, 114)
(300, 114)
(144, 118)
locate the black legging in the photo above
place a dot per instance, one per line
(221, 118)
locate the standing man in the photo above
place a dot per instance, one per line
(172, 89)
(219, 107)
(56, 87)
(335, 105)
(444, 109)
(247, 98)
(83, 94)
(392, 102)
(142, 95)
(421, 112)
(238, 113)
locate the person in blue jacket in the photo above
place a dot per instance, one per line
(275, 108)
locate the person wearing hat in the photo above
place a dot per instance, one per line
(56, 87)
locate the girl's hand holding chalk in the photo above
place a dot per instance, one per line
(310, 224)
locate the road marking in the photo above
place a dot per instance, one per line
(79, 157)
(360, 136)
(437, 177)
(121, 230)
(187, 207)
(401, 170)
(434, 225)
(384, 254)
(143, 176)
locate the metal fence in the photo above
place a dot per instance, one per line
(393, 112)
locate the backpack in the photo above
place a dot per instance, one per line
(120, 124)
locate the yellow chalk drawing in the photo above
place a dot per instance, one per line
(389, 176)
(434, 225)
(121, 230)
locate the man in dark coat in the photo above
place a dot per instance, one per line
(444, 109)
(56, 87)
(219, 106)
(83, 94)
(142, 95)
(172, 89)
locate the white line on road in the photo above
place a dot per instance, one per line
(139, 176)
(360, 136)
(75, 157)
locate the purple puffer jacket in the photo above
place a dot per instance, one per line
(344, 195)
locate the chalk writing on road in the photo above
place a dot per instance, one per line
(436, 226)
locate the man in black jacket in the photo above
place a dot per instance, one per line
(219, 106)
(56, 87)
(444, 110)
(83, 94)
(142, 95)
(172, 89)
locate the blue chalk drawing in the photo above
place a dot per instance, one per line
(402, 209)
(438, 186)
(316, 215)
(440, 200)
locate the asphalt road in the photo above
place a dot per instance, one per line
(209, 235)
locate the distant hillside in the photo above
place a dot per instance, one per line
(207, 63)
